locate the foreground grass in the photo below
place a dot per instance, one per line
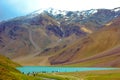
(55, 76)
(95, 75)
(90, 75)
(8, 71)
(25, 77)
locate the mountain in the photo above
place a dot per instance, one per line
(43, 29)
(101, 48)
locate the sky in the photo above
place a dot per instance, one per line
(13, 8)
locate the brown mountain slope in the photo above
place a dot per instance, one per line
(97, 49)
(33, 33)
(23, 36)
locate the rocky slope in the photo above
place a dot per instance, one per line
(33, 33)
(97, 49)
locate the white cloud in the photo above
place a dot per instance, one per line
(32, 5)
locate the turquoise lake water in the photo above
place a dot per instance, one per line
(31, 69)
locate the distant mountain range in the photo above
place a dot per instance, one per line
(49, 32)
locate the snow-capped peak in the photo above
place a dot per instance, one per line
(55, 11)
(39, 11)
(66, 14)
(50, 10)
(35, 13)
(88, 12)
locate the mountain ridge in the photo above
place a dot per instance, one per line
(26, 35)
(103, 50)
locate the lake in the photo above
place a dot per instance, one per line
(50, 69)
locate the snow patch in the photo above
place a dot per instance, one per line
(116, 16)
(58, 22)
(55, 11)
(49, 10)
(117, 9)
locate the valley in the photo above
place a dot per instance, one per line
(55, 38)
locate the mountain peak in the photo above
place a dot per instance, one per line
(64, 14)
(49, 10)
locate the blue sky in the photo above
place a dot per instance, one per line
(13, 8)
